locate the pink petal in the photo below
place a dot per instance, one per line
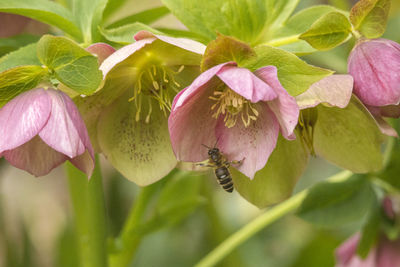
(35, 157)
(254, 144)
(122, 54)
(347, 250)
(65, 130)
(183, 43)
(197, 84)
(334, 90)
(191, 124)
(246, 84)
(101, 50)
(375, 67)
(23, 118)
(284, 107)
(388, 253)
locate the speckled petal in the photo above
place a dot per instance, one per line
(246, 84)
(254, 144)
(23, 118)
(284, 106)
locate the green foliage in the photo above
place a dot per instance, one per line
(274, 182)
(295, 75)
(332, 204)
(88, 14)
(13, 43)
(225, 49)
(242, 19)
(146, 17)
(46, 11)
(349, 137)
(18, 80)
(370, 17)
(24, 56)
(328, 31)
(71, 64)
(124, 34)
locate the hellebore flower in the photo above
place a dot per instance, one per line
(241, 111)
(127, 117)
(375, 67)
(40, 129)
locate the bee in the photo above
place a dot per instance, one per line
(220, 164)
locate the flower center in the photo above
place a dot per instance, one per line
(307, 120)
(155, 83)
(232, 106)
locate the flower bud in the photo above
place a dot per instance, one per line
(375, 67)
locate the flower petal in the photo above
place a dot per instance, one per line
(35, 157)
(254, 144)
(246, 84)
(123, 53)
(334, 90)
(388, 253)
(347, 250)
(101, 50)
(197, 84)
(23, 118)
(139, 151)
(184, 43)
(65, 130)
(375, 67)
(284, 106)
(191, 124)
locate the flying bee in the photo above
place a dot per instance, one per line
(220, 164)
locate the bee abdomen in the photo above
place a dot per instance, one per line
(224, 178)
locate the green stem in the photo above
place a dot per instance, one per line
(283, 41)
(87, 198)
(260, 223)
(130, 238)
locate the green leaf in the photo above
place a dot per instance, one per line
(349, 137)
(275, 182)
(371, 230)
(146, 17)
(124, 34)
(18, 80)
(183, 33)
(46, 11)
(332, 204)
(225, 49)
(242, 19)
(72, 65)
(24, 56)
(328, 32)
(112, 7)
(370, 17)
(295, 75)
(88, 14)
(139, 151)
(170, 208)
(13, 43)
(279, 11)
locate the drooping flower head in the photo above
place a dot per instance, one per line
(375, 67)
(42, 128)
(127, 118)
(242, 110)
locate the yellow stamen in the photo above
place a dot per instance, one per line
(231, 105)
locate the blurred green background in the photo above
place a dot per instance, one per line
(36, 226)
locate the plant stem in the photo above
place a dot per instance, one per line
(283, 41)
(260, 223)
(87, 198)
(129, 237)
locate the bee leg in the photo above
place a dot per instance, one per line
(236, 162)
(205, 163)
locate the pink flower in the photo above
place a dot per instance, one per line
(244, 111)
(40, 129)
(385, 254)
(375, 67)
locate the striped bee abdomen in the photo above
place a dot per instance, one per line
(224, 178)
